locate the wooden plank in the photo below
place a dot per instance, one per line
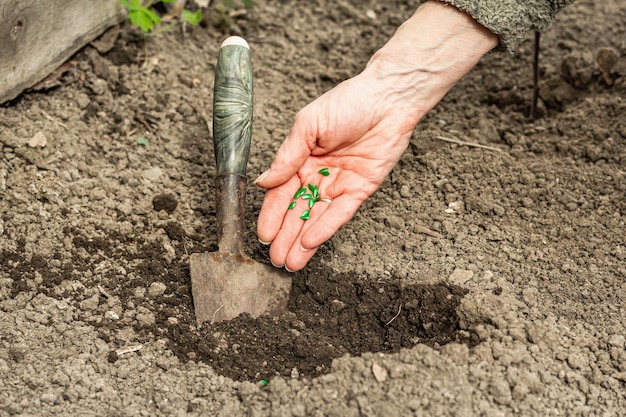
(37, 36)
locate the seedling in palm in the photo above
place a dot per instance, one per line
(310, 194)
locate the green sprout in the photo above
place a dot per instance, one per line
(193, 18)
(311, 198)
(143, 17)
(299, 193)
(263, 382)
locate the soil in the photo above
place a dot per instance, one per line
(477, 281)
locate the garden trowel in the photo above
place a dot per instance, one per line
(227, 283)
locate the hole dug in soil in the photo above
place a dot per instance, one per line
(329, 316)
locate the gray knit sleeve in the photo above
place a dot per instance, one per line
(511, 20)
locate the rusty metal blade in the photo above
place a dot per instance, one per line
(226, 285)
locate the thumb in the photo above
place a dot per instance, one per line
(291, 155)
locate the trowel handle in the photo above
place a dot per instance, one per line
(232, 107)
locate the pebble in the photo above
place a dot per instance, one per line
(152, 174)
(405, 191)
(38, 141)
(90, 303)
(82, 100)
(460, 277)
(156, 289)
(48, 398)
(99, 86)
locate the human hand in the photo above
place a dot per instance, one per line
(359, 132)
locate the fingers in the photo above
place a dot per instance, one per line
(274, 208)
(286, 248)
(298, 240)
(325, 224)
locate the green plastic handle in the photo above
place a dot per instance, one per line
(232, 107)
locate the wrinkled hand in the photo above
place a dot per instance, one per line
(356, 131)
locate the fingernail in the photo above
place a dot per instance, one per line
(276, 266)
(261, 177)
(303, 249)
(264, 242)
(289, 270)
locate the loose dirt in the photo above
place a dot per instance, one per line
(477, 280)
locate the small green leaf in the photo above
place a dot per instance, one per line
(263, 382)
(292, 205)
(324, 172)
(144, 18)
(248, 4)
(311, 203)
(299, 193)
(306, 215)
(142, 141)
(193, 18)
(307, 196)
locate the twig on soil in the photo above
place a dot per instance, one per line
(130, 349)
(215, 313)
(52, 119)
(470, 144)
(427, 231)
(396, 316)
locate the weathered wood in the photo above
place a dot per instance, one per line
(37, 36)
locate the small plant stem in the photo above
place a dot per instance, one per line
(533, 106)
(394, 317)
(469, 144)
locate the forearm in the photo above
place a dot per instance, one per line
(428, 54)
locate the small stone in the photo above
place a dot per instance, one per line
(99, 86)
(460, 277)
(380, 373)
(156, 289)
(111, 315)
(48, 398)
(152, 174)
(405, 191)
(82, 100)
(38, 141)
(457, 206)
(90, 303)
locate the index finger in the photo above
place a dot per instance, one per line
(274, 208)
